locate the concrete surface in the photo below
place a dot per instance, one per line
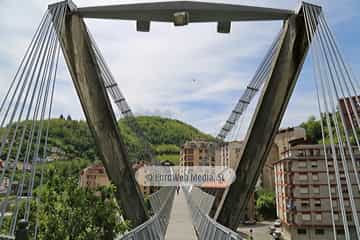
(180, 225)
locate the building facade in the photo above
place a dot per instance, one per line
(94, 176)
(198, 153)
(351, 109)
(303, 196)
(289, 136)
(227, 154)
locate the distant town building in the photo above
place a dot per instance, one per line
(289, 136)
(197, 153)
(267, 179)
(302, 193)
(55, 154)
(346, 106)
(227, 154)
(94, 176)
(4, 185)
(146, 190)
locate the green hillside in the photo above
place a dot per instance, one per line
(166, 136)
(69, 139)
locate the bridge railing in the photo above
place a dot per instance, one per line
(205, 226)
(154, 228)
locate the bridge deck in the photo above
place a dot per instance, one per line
(180, 225)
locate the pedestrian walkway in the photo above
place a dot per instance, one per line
(180, 226)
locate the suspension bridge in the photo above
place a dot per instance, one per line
(193, 214)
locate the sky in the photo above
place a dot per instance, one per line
(190, 73)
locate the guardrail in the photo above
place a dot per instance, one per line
(204, 200)
(154, 228)
(205, 226)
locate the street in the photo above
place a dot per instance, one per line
(260, 230)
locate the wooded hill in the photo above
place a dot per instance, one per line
(70, 139)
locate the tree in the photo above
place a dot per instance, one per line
(265, 204)
(68, 118)
(313, 130)
(62, 117)
(67, 211)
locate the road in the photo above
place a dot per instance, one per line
(260, 230)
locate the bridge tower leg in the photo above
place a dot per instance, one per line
(267, 118)
(85, 73)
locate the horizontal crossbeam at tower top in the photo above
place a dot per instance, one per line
(196, 12)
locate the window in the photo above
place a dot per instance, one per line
(305, 204)
(302, 164)
(299, 154)
(314, 164)
(311, 153)
(301, 231)
(318, 217)
(319, 232)
(336, 217)
(315, 177)
(317, 203)
(303, 177)
(331, 176)
(357, 163)
(333, 190)
(330, 163)
(346, 203)
(317, 152)
(334, 203)
(306, 217)
(342, 176)
(340, 231)
(349, 218)
(316, 190)
(304, 190)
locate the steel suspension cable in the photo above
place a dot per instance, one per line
(32, 132)
(48, 77)
(120, 101)
(23, 88)
(259, 78)
(340, 76)
(318, 62)
(14, 166)
(333, 94)
(310, 37)
(329, 126)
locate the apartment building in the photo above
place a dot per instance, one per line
(228, 153)
(303, 197)
(198, 153)
(346, 105)
(94, 176)
(146, 190)
(289, 136)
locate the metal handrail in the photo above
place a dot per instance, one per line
(155, 227)
(205, 226)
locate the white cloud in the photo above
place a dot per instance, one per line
(156, 70)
